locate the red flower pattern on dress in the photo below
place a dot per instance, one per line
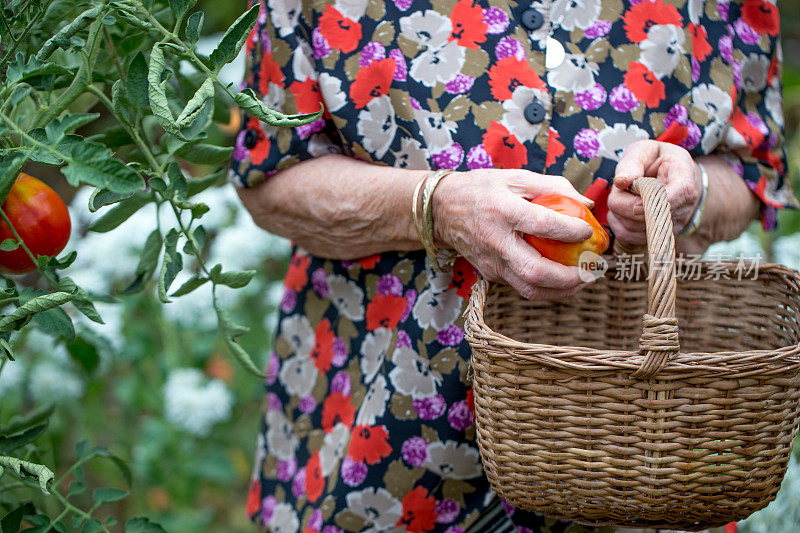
(369, 444)
(753, 136)
(336, 408)
(369, 262)
(762, 16)
(469, 29)
(674, 134)
(384, 311)
(504, 148)
(555, 148)
(297, 275)
(260, 151)
(700, 47)
(341, 32)
(464, 277)
(315, 481)
(644, 15)
(510, 73)
(307, 97)
(253, 498)
(372, 81)
(644, 84)
(419, 511)
(322, 353)
(270, 72)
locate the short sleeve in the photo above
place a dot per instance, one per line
(281, 70)
(756, 133)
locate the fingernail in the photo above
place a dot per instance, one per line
(588, 201)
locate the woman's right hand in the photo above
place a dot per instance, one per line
(482, 214)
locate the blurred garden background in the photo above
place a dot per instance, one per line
(154, 386)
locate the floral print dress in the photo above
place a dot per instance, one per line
(368, 417)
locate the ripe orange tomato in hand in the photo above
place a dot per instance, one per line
(41, 219)
(568, 253)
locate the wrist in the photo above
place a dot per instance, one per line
(699, 210)
(441, 203)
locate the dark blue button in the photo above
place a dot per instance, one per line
(250, 139)
(534, 112)
(532, 19)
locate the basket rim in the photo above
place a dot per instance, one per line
(584, 359)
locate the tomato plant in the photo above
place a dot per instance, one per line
(568, 253)
(41, 221)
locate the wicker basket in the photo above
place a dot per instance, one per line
(580, 418)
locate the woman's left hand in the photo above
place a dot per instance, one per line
(674, 167)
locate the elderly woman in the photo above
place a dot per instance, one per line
(368, 419)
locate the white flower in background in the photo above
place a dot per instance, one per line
(614, 140)
(373, 352)
(570, 15)
(12, 379)
(754, 72)
(436, 131)
(745, 246)
(452, 460)
(574, 74)
(787, 251)
(412, 374)
(377, 506)
(194, 403)
(411, 155)
(332, 94)
(296, 330)
(333, 448)
(346, 296)
(663, 48)
(376, 124)
(436, 310)
(427, 28)
(374, 404)
(514, 118)
(245, 246)
(51, 381)
(284, 519)
(281, 440)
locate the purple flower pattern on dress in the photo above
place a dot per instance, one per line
(599, 28)
(622, 99)
(451, 335)
(429, 408)
(591, 99)
(415, 451)
(353, 472)
(478, 158)
(496, 20)
(586, 143)
(461, 83)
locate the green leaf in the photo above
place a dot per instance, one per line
(234, 38)
(194, 26)
(11, 521)
(243, 357)
(171, 265)
(119, 213)
(137, 87)
(32, 307)
(103, 197)
(252, 104)
(82, 301)
(204, 154)
(9, 443)
(177, 181)
(85, 354)
(10, 167)
(24, 469)
(64, 34)
(148, 261)
(179, 7)
(199, 238)
(192, 284)
(27, 421)
(195, 106)
(57, 322)
(234, 279)
(94, 164)
(9, 245)
(93, 525)
(157, 91)
(119, 102)
(100, 496)
(142, 525)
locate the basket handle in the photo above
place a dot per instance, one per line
(659, 340)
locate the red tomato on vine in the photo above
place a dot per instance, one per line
(568, 253)
(41, 220)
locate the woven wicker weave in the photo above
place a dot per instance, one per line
(581, 418)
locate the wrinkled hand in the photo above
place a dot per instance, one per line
(674, 167)
(482, 214)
